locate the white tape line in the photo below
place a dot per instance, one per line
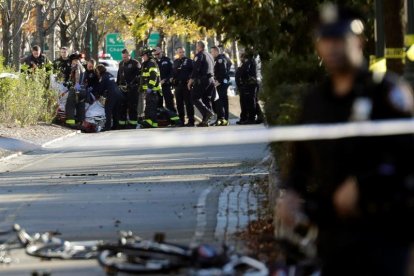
(254, 135)
(201, 217)
(286, 133)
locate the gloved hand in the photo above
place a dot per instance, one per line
(149, 91)
(77, 87)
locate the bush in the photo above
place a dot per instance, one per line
(285, 80)
(26, 99)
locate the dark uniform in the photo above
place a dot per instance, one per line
(63, 67)
(377, 240)
(128, 80)
(203, 86)
(166, 70)
(182, 70)
(108, 89)
(246, 80)
(41, 62)
(150, 81)
(221, 74)
(91, 82)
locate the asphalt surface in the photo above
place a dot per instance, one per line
(88, 190)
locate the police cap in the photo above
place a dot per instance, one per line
(339, 21)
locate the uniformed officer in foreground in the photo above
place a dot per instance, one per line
(358, 191)
(202, 83)
(182, 69)
(37, 59)
(222, 81)
(63, 65)
(151, 85)
(166, 70)
(128, 81)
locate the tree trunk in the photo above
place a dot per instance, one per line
(95, 41)
(76, 45)
(6, 41)
(17, 42)
(52, 44)
(64, 39)
(40, 29)
(88, 36)
(394, 34)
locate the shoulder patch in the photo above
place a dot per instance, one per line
(196, 58)
(220, 60)
(401, 98)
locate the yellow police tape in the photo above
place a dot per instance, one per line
(253, 135)
(394, 53)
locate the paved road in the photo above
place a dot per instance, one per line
(88, 190)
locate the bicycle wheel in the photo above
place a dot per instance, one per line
(63, 251)
(114, 261)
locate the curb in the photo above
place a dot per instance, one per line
(60, 139)
(19, 153)
(11, 156)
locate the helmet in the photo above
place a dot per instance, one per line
(147, 51)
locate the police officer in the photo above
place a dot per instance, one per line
(358, 191)
(222, 79)
(63, 65)
(246, 80)
(128, 80)
(166, 70)
(182, 69)
(75, 104)
(36, 59)
(91, 81)
(109, 90)
(151, 85)
(202, 83)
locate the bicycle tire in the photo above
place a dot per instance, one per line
(114, 262)
(58, 251)
(177, 256)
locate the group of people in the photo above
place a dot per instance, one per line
(157, 85)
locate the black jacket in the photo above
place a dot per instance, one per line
(246, 74)
(166, 69)
(107, 86)
(91, 80)
(203, 66)
(382, 166)
(182, 70)
(41, 62)
(129, 72)
(63, 68)
(221, 69)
